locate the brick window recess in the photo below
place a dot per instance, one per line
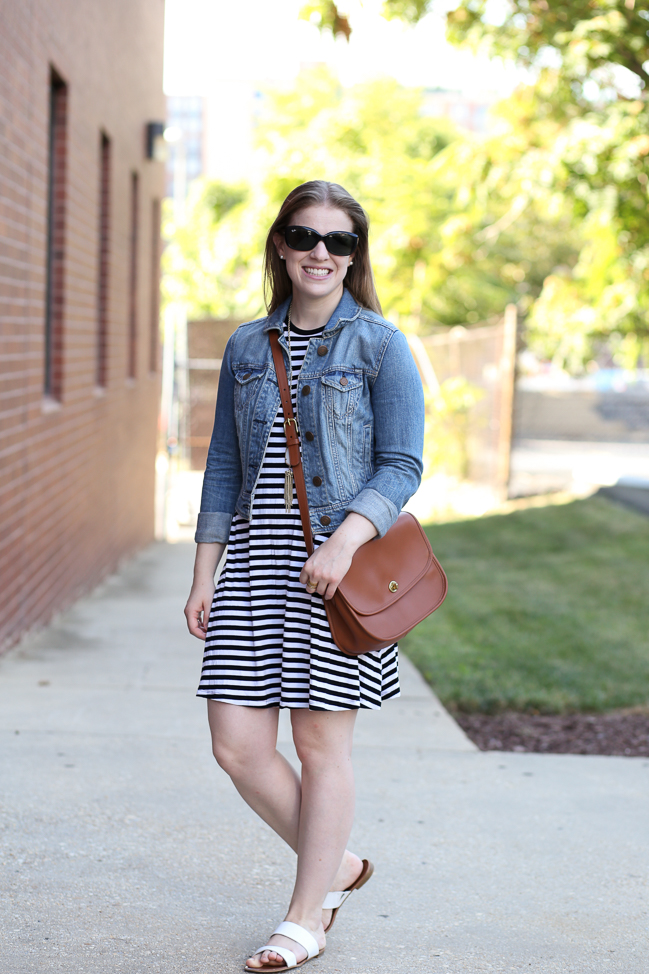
(133, 275)
(154, 339)
(56, 217)
(104, 260)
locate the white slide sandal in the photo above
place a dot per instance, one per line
(333, 901)
(294, 932)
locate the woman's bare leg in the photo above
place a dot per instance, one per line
(323, 741)
(244, 742)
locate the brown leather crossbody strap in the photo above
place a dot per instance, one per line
(292, 439)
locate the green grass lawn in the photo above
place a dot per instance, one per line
(547, 610)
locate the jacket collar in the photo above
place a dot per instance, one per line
(346, 311)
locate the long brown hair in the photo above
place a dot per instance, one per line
(359, 280)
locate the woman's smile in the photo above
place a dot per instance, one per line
(317, 271)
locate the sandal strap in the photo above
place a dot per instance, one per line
(335, 899)
(300, 935)
(288, 955)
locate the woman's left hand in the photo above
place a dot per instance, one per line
(329, 563)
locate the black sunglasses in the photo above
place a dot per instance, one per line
(338, 242)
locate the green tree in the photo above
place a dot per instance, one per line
(508, 227)
(319, 130)
(212, 261)
(597, 158)
(451, 242)
(584, 38)
(570, 160)
(326, 15)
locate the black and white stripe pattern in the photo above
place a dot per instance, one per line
(268, 641)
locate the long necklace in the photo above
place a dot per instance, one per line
(288, 473)
(290, 354)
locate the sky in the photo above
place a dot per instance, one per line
(208, 42)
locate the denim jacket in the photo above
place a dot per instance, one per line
(360, 413)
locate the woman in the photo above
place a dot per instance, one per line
(359, 406)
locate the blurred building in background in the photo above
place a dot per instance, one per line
(570, 431)
(82, 110)
(186, 113)
(466, 111)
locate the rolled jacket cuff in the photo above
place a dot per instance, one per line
(213, 527)
(376, 508)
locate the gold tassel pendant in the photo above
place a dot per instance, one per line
(288, 490)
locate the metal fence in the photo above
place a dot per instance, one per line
(206, 341)
(484, 357)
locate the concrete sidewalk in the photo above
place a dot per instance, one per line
(127, 850)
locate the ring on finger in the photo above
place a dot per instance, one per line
(311, 586)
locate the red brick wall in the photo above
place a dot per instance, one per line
(77, 468)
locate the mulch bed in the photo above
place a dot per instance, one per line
(622, 732)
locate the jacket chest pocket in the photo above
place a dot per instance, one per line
(341, 392)
(246, 386)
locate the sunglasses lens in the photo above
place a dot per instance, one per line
(300, 238)
(340, 243)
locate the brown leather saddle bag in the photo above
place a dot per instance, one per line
(393, 583)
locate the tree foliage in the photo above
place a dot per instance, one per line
(585, 38)
(548, 210)
(451, 241)
(319, 130)
(326, 15)
(212, 262)
(592, 131)
(575, 142)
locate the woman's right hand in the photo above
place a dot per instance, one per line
(199, 603)
(197, 610)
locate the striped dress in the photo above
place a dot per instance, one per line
(268, 640)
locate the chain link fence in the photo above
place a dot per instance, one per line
(468, 375)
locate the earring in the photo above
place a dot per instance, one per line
(350, 263)
(282, 258)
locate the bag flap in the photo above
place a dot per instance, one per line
(399, 558)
